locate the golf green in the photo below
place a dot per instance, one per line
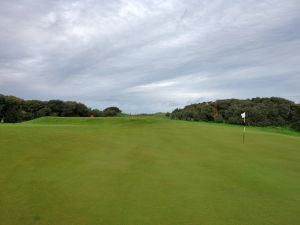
(146, 170)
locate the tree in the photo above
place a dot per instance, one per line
(32, 107)
(43, 112)
(69, 109)
(111, 111)
(97, 113)
(56, 107)
(82, 110)
(295, 116)
(2, 105)
(260, 112)
(12, 109)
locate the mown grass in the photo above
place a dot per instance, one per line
(146, 170)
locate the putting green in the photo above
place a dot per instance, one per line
(146, 170)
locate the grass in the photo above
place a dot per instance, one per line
(146, 170)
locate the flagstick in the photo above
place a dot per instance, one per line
(244, 130)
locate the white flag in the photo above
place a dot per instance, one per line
(243, 115)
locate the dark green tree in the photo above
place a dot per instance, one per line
(295, 116)
(69, 109)
(272, 111)
(82, 110)
(2, 105)
(97, 113)
(111, 111)
(56, 107)
(12, 110)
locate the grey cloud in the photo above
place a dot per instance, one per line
(150, 55)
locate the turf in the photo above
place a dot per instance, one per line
(146, 170)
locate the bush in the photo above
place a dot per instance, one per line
(13, 109)
(111, 111)
(260, 112)
(295, 116)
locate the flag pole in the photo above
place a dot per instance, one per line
(244, 134)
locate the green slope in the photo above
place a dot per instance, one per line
(146, 170)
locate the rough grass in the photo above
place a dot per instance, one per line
(146, 170)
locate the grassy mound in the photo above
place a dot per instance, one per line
(100, 121)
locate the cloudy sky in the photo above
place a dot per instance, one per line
(149, 55)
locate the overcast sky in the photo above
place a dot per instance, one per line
(149, 55)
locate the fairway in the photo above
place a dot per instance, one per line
(146, 171)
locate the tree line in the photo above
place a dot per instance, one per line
(14, 109)
(272, 111)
